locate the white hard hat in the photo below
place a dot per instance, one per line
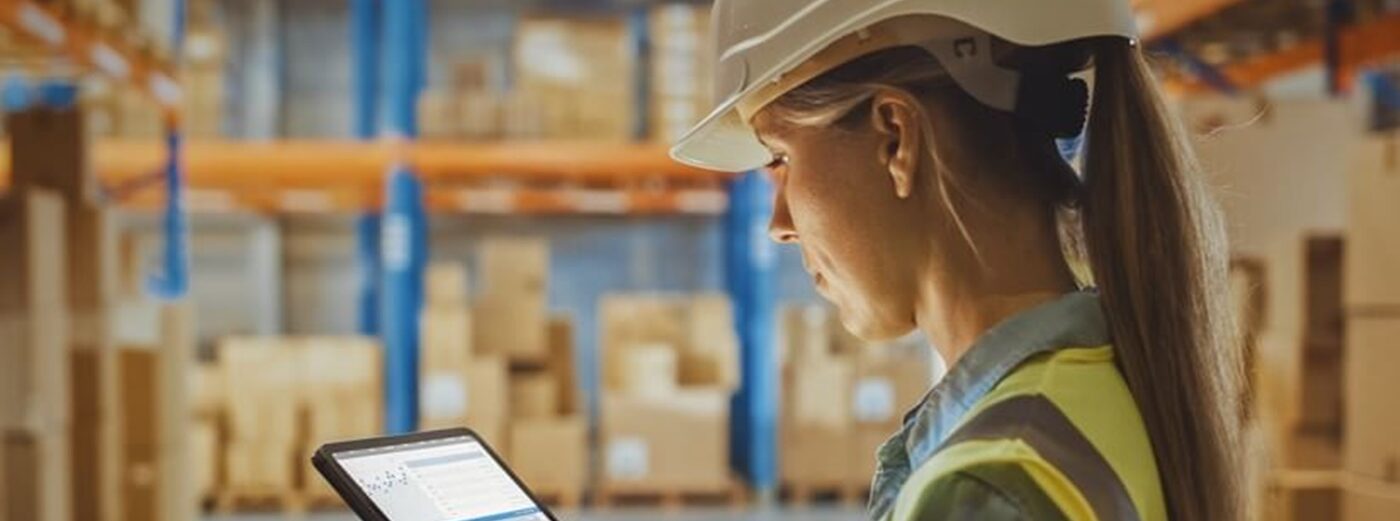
(764, 48)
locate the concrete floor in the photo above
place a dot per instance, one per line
(813, 514)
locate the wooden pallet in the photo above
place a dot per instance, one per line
(732, 494)
(231, 500)
(847, 495)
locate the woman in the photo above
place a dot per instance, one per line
(913, 148)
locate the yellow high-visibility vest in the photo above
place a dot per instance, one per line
(1068, 420)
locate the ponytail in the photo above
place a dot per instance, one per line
(1156, 244)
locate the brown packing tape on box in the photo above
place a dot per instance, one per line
(141, 394)
(1372, 447)
(35, 477)
(96, 441)
(550, 455)
(561, 364)
(93, 268)
(680, 442)
(533, 396)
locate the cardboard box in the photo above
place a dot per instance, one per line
(513, 267)
(562, 366)
(446, 337)
(93, 272)
(1372, 429)
(205, 464)
(864, 448)
(260, 466)
(340, 386)
(1368, 500)
(268, 372)
(813, 456)
(50, 150)
(1373, 247)
(650, 370)
(710, 354)
(446, 285)
(141, 483)
(679, 442)
(34, 478)
(512, 326)
(96, 439)
(820, 393)
(142, 396)
(806, 332)
(207, 390)
(533, 397)
(890, 380)
(34, 317)
(487, 398)
(551, 454)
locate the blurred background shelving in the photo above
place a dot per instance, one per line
(466, 208)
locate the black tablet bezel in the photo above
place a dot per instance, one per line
(355, 498)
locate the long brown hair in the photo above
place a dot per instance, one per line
(1152, 234)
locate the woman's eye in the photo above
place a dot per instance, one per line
(779, 160)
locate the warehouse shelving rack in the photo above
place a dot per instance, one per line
(393, 182)
(54, 30)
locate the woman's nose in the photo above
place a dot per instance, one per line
(780, 227)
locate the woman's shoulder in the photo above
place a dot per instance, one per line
(995, 491)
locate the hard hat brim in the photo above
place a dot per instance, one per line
(723, 142)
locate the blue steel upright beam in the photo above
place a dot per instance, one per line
(403, 240)
(364, 41)
(750, 273)
(639, 27)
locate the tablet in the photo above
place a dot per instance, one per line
(448, 475)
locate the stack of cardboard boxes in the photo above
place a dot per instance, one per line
(152, 374)
(279, 399)
(575, 72)
(261, 446)
(670, 367)
(35, 417)
(842, 398)
(1298, 362)
(341, 399)
(680, 76)
(1371, 458)
(503, 368)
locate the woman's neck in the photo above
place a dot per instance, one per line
(1016, 271)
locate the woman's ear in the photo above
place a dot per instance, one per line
(896, 120)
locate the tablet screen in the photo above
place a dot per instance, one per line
(446, 479)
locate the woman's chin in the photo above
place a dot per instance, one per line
(867, 327)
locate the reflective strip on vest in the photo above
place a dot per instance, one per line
(1036, 420)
